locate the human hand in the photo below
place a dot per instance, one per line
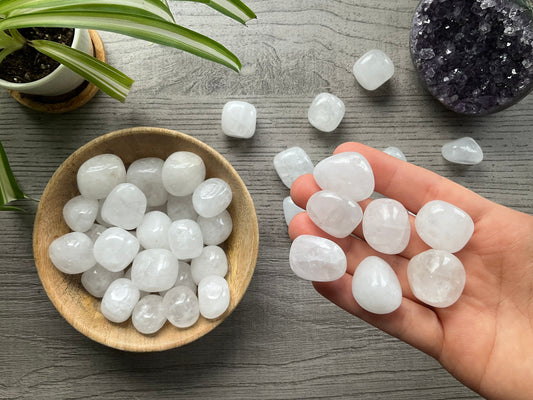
(485, 339)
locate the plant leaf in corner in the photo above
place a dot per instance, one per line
(9, 188)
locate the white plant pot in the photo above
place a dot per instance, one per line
(62, 80)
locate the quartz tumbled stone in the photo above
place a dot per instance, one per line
(213, 296)
(217, 229)
(72, 253)
(119, 300)
(348, 174)
(444, 226)
(376, 287)
(184, 278)
(386, 226)
(334, 214)
(185, 239)
(115, 249)
(463, 151)
(124, 206)
(395, 152)
(211, 197)
(212, 261)
(80, 213)
(317, 259)
(436, 277)
(373, 69)
(182, 172)
(154, 270)
(239, 119)
(148, 315)
(99, 175)
(181, 207)
(152, 232)
(291, 164)
(145, 173)
(181, 307)
(326, 112)
(290, 209)
(97, 279)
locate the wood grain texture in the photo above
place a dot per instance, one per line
(283, 340)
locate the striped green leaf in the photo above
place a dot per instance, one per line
(235, 9)
(9, 188)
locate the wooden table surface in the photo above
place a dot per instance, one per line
(283, 340)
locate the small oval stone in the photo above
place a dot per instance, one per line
(72, 253)
(119, 300)
(463, 151)
(115, 249)
(154, 270)
(145, 173)
(290, 209)
(217, 229)
(80, 213)
(212, 261)
(443, 226)
(99, 175)
(185, 239)
(395, 152)
(148, 315)
(181, 307)
(124, 206)
(373, 69)
(376, 287)
(291, 164)
(182, 172)
(152, 232)
(239, 119)
(211, 197)
(326, 112)
(97, 279)
(317, 259)
(213, 296)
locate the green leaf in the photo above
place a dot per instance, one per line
(152, 30)
(9, 188)
(235, 9)
(108, 79)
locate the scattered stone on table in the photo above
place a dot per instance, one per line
(182, 172)
(145, 173)
(154, 270)
(180, 207)
(124, 206)
(152, 232)
(463, 151)
(291, 164)
(97, 176)
(80, 213)
(213, 296)
(185, 239)
(217, 229)
(115, 249)
(119, 300)
(395, 152)
(239, 119)
(436, 277)
(184, 278)
(97, 279)
(72, 253)
(376, 287)
(326, 112)
(373, 69)
(290, 209)
(181, 307)
(212, 261)
(211, 197)
(148, 315)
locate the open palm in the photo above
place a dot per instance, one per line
(485, 339)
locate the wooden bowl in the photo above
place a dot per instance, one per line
(81, 309)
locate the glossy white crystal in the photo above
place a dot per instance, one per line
(145, 173)
(291, 164)
(99, 175)
(154, 270)
(180, 207)
(290, 209)
(395, 152)
(97, 279)
(119, 300)
(463, 151)
(376, 287)
(182, 172)
(72, 253)
(124, 206)
(185, 239)
(80, 213)
(211, 197)
(436, 277)
(326, 112)
(152, 232)
(444, 226)
(184, 278)
(212, 261)
(239, 119)
(213, 296)
(348, 174)
(317, 259)
(115, 249)
(217, 229)
(373, 69)
(386, 226)
(148, 315)
(181, 307)
(334, 214)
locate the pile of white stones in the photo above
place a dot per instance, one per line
(436, 277)
(164, 219)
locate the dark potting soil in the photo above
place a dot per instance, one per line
(27, 64)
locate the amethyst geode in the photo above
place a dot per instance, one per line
(475, 56)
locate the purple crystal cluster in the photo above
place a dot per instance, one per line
(475, 56)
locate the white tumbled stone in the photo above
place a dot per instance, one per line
(463, 151)
(217, 229)
(148, 315)
(115, 249)
(317, 259)
(154, 270)
(213, 296)
(182, 172)
(72, 253)
(212, 261)
(373, 69)
(124, 206)
(119, 300)
(443, 226)
(348, 174)
(291, 164)
(145, 173)
(99, 219)
(180, 207)
(181, 306)
(211, 197)
(334, 214)
(386, 226)
(97, 176)
(375, 286)
(395, 152)
(239, 119)
(326, 112)
(184, 278)
(185, 239)
(80, 213)
(97, 279)
(290, 209)
(152, 232)
(436, 277)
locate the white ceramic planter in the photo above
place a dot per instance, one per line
(62, 80)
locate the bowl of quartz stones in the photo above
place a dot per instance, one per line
(145, 239)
